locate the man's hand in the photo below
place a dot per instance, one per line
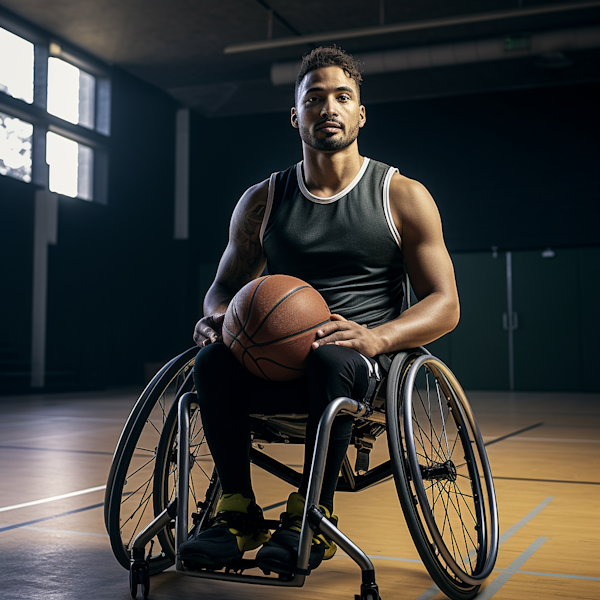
(208, 330)
(341, 332)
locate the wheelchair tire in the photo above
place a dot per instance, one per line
(143, 464)
(442, 474)
(159, 382)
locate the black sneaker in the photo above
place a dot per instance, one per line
(280, 553)
(237, 527)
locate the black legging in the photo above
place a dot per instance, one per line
(228, 394)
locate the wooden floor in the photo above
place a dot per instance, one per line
(55, 452)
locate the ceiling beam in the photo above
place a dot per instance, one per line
(402, 27)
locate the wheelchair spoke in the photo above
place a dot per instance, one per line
(129, 475)
(437, 388)
(142, 505)
(434, 434)
(430, 445)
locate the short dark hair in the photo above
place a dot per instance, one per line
(329, 56)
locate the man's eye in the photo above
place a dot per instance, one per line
(344, 98)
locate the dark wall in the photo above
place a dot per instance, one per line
(113, 301)
(512, 169)
(16, 272)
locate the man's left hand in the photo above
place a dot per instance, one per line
(341, 332)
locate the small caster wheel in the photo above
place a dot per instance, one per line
(368, 592)
(133, 586)
(139, 574)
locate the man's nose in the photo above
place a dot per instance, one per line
(329, 108)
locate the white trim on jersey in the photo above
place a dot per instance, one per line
(268, 207)
(386, 206)
(346, 190)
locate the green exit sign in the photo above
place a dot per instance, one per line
(517, 42)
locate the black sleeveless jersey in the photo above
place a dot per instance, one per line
(346, 246)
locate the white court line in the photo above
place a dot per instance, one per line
(517, 438)
(53, 498)
(514, 566)
(433, 590)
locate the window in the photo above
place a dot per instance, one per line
(71, 93)
(16, 66)
(15, 147)
(71, 167)
(57, 102)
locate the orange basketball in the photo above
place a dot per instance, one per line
(271, 323)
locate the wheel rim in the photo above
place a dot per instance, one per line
(134, 500)
(445, 452)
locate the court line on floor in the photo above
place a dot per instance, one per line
(521, 523)
(557, 440)
(2, 446)
(509, 435)
(514, 566)
(53, 498)
(434, 589)
(561, 575)
(41, 519)
(547, 480)
(341, 554)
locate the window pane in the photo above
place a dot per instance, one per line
(15, 147)
(16, 66)
(71, 167)
(71, 93)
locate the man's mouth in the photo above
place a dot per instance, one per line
(329, 126)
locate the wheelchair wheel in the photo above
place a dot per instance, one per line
(142, 479)
(442, 474)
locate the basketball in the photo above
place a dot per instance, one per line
(271, 323)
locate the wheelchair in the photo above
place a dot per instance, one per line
(162, 486)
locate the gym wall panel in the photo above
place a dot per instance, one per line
(16, 278)
(556, 342)
(547, 341)
(588, 300)
(479, 343)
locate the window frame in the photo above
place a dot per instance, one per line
(46, 46)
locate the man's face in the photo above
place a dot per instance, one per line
(328, 113)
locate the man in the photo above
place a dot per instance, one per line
(349, 226)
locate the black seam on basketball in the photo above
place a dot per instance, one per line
(254, 360)
(249, 311)
(236, 336)
(302, 287)
(285, 337)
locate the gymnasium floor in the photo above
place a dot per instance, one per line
(55, 452)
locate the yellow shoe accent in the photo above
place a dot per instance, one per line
(295, 509)
(240, 504)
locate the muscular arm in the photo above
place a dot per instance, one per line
(431, 274)
(242, 261)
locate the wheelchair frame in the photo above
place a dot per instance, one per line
(403, 464)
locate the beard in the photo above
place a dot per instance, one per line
(331, 143)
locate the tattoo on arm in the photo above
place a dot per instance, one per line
(246, 250)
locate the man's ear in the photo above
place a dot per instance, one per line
(362, 119)
(294, 117)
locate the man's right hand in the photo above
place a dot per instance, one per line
(208, 330)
